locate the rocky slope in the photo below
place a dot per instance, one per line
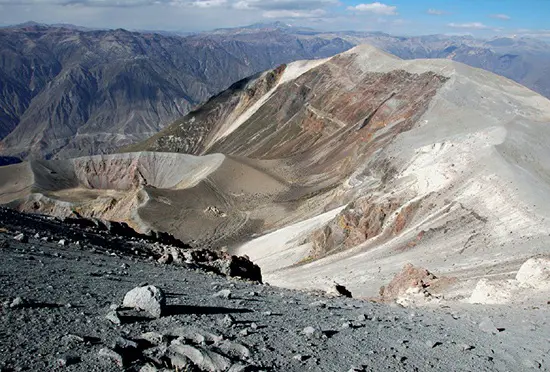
(196, 198)
(407, 158)
(349, 167)
(67, 92)
(69, 307)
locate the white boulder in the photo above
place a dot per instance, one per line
(535, 272)
(149, 298)
(494, 292)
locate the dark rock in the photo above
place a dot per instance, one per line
(237, 266)
(219, 262)
(338, 290)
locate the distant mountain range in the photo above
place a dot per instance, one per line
(67, 90)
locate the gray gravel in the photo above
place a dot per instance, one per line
(59, 305)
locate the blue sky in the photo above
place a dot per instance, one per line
(406, 17)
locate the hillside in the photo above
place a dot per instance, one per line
(350, 167)
(424, 161)
(67, 92)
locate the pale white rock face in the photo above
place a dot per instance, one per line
(535, 272)
(496, 292)
(149, 299)
(282, 247)
(532, 281)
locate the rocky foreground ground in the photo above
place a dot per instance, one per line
(63, 287)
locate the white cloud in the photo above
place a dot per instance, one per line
(501, 16)
(375, 8)
(279, 5)
(116, 3)
(89, 3)
(244, 5)
(272, 8)
(315, 13)
(208, 3)
(471, 25)
(525, 32)
(436, 12)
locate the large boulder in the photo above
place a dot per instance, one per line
(535, 272)
(338, 290)
(203, 358)
(150, 299)
(219, 262)
(239, 266)
(495, 292)
(409, 277)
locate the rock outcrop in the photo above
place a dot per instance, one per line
(149, 298)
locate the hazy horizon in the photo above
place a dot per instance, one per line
(399, 17)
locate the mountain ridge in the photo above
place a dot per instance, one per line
(71, 92)
(363, 159)
(386, 188)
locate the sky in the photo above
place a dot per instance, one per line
(482, 18)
